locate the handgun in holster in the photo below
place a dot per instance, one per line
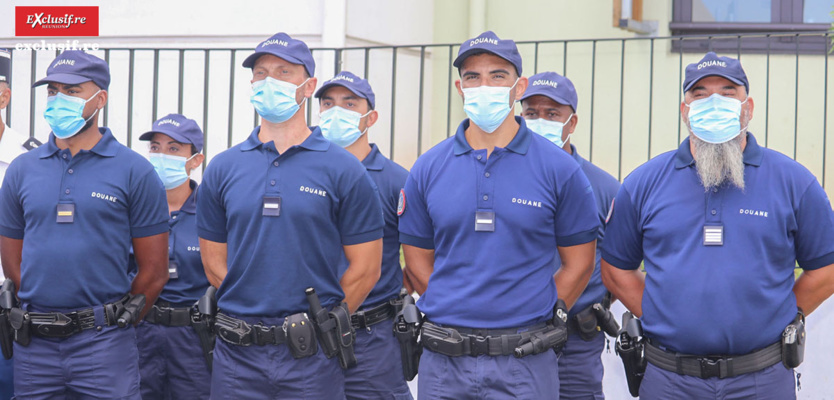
(202, 320)
(7, 302)
(630, 347)
(793, 342)
(334, 329)
(552, 338)
(407, 325)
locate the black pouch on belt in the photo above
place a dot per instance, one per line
(19, 320)
(586, 324)
(301, 335)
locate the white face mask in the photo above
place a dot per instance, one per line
(551, 130)
(487, 106)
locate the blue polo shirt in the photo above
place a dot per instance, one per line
(389, 178)
(184, 249)
(605, 188)
(117, 196)
(327, 201)
(501, 279)
(730, 299)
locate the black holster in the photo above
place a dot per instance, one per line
(553, 338)
(334, 329)
(202, 320)
(407, 325)
(630, 348)
(7, 302)
(793, 342)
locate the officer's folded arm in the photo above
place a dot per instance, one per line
(151, 254)
(810, 289)
(364, 269)
(625, 284)
(214, 255)
(577, 268)
(419, 264)
(11, 251)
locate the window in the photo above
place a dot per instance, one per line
(785, 18)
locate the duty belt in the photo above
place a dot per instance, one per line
(372, 316)
(456, 342)
(714, 366)
(168, 316)
(241, 333)
(61, 325)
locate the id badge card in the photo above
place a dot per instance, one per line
(713, 235)
(272, 206)
(172, 270)
(485, 221)
(66, 213)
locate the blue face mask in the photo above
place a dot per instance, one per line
(341, 126)
(275, 100)
(171, 169)
(551, 130)
(715, 119)
(487, 106)
(64, 114)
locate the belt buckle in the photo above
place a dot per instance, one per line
(478, 345)
(265, 335)
(710, 368)
(358, 320)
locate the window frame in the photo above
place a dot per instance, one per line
(786, 19)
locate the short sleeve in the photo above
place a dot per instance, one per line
(360, 213)
(148, 208)
(576, 217)
(416, 228)
(623, 244)
(12, 223)
(815, 229)
(211, 214)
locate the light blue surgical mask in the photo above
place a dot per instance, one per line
(551, 130)
(64, 114)
(487, 106)
(715, 119)
(275, 99)
(341, 126)
(171, 169)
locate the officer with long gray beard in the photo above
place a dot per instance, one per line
(720, 224)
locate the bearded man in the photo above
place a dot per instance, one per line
(719, 225)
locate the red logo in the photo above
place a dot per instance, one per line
(56, 21)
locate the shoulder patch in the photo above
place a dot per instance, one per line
(401, 203)
(610, 211)
(31, 144)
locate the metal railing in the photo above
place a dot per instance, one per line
(636, 78)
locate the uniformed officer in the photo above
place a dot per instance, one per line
(281, 212)
(481, 217)
(171, 360)
(347, 105)
(69, 212)
(549, 109)
(719, 224)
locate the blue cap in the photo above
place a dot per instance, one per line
(355, 84)
(554, 86)
(73, 67)
(283, 46)
(488, 42)
(179, 128)
(713, 65)
(5, 66)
